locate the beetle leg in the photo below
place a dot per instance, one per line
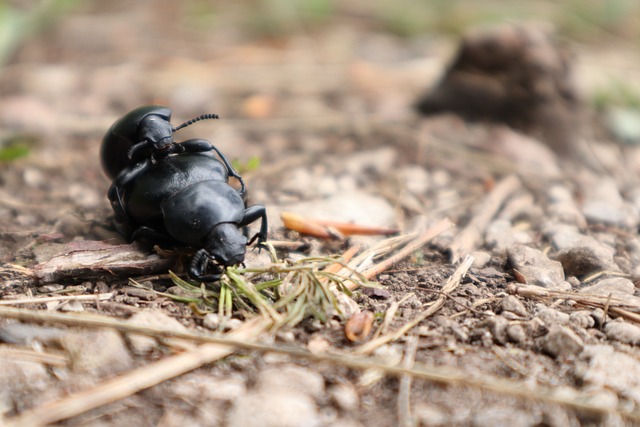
(202, 145)
(152, 235)
(126, 176)
(198, 266)
(136, 148)
(251, 214)
(116, 200)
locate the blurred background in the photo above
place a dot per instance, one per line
(286, 76)
(94, 58)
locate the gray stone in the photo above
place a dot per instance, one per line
(615, 286)
(379, 161)
(567, 237)
(276, 408)
(430, 415)
(143, 344)
(513, 304)
(624, 332)
(26, 333)
(561, 342)
(583, 260)
(604, 205)
(602, 367)
(19, 381)
(582, 318)
(211, 321)
(344, 396)
(562, 206)
(99, 352)
(357, 206)
(199, 387)
(497, 325)
(536, 267)
(599, 317)
(291, 378)
(501, 234)
(480, 259)
(415, 179)
(516, 333)
(550, 316)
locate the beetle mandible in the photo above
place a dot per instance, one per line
(179, 196)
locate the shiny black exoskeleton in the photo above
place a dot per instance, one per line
(177, 193)
(145, 132)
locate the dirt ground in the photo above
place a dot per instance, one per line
(540, 328)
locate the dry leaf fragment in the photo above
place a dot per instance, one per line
(304, 225)
(359, 326)
(327, 229)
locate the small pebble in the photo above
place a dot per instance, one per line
(211, 321)
(598, 317)
(97, 352)
(513, 304)
(561, 342)
(377, 293)
(551, 316)
(143, 344)
(431, 415)
(603, 204)
(344, 396)
(516, 333)
(497, 325)
(624, 332)
(480, 259)
(582, 318)
(279, 408)
(291, 378)
(536, 268)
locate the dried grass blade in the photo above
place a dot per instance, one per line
(414, 244)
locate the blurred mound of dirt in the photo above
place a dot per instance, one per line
(518, 75)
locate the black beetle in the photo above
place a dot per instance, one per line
(145, 132)
(179, 196)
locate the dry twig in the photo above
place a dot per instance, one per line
(360, 263)
(628, 307)
(471, 236)
(42, 300)
(404, 393)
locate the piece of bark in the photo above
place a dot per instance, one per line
(92, 259)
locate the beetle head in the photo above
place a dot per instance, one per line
(226, 244)
(155, 130)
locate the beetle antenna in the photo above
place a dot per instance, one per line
(195, 119)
